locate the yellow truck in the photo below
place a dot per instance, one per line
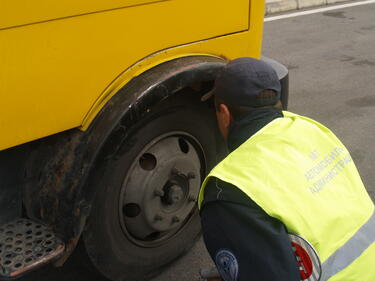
(104, 140)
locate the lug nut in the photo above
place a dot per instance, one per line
(159, 193)
(175, 219)
(174, 171)
(176, 198)
(192, 198)
(191, 175)
(158, 218)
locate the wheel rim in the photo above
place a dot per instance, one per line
(160, 189)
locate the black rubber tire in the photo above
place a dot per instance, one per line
(110, 251)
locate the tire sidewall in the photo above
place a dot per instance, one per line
(117, 257)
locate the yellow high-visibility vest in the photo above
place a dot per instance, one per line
(298, 172)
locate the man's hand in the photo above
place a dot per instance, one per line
(210, 274)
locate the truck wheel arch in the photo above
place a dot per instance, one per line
(58, 191)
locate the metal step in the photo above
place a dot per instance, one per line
(26, 245)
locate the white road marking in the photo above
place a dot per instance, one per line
(319, 10)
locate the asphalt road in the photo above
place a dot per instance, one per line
(331, 59)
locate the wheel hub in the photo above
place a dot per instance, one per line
(175, 193)
(161, 188)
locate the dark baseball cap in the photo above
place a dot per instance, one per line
(242, 80)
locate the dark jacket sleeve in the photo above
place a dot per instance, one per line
(245, 243)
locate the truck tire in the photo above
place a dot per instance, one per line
(144, 214)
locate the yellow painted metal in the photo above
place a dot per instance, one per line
(59, 69)
(18, 13)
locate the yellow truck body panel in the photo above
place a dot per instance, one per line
(61, 62)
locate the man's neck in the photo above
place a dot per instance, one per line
(242, 129)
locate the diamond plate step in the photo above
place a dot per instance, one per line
(26, 245)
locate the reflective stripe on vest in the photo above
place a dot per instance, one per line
(298, 172)
(350, 251)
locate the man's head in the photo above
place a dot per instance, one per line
(244, 84)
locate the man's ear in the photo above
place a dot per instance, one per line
(224, 119)
(225, 115)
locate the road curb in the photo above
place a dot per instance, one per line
(277, 6)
